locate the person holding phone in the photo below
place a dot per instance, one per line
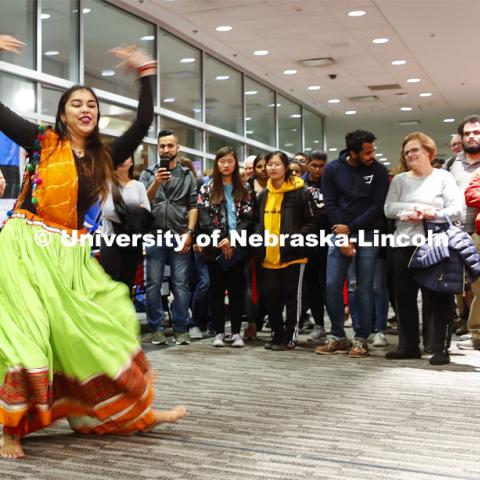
(226, 204)
(172, 192)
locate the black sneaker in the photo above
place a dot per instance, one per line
(402, 355)
(440, 358)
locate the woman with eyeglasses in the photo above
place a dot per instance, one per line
(422, 193)
(285, 207)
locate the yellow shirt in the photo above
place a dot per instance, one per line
(272, 218)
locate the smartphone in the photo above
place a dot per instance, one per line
(165, 163)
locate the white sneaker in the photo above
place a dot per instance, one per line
(379, 340)
(237, 341)
(218, 341)
(195, 333)
(318, 333)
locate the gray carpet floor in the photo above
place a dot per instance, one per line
(293, 415)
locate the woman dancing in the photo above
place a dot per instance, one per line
(68, 333)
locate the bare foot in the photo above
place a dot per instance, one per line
(170, 416)
(11, 447)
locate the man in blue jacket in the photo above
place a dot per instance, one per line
(354, 188)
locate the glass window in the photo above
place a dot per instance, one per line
(17, 94)
(255, 151)
(107, 27)
(259, 112)
(313, 128)
(180, 76)
(215, 143)
(289, 125)
(223, 96)
(187, 136)
(60, 38)
(50, 98)
(117, 118)
(18, 19)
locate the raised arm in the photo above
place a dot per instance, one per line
(19, 130)
(136, 59)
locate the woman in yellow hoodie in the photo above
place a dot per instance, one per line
(285, 208)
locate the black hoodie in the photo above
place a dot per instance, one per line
(354, 196)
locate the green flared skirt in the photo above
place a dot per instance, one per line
(69, 339)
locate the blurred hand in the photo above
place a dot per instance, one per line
(416, 216)
(348, 251)
(2, 185)
(187, 239)
(10, 44)
(429, 214)
(226, 248)
(162, 175)
(135, 59)
(341, 229)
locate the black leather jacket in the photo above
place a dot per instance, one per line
(173, 199)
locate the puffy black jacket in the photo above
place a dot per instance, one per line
(440, 266)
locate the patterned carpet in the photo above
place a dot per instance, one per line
(293, 415)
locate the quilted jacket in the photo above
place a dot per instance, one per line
(440, 265)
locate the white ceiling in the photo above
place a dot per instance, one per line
(437, 38)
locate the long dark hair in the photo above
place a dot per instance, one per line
(239, 190)
(283, 157)
(115, 176)
(95, 150)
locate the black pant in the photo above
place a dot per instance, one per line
(121, 263)
(316, 284)
(406, 291)
(283, 288)
(233, 281)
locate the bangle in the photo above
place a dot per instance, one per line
(147, 66)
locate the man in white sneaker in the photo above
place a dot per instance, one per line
(172, 192)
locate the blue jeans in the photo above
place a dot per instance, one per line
(157, 258)
(337, 267)
(352, 295)
(380, 295)
(199, 302)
